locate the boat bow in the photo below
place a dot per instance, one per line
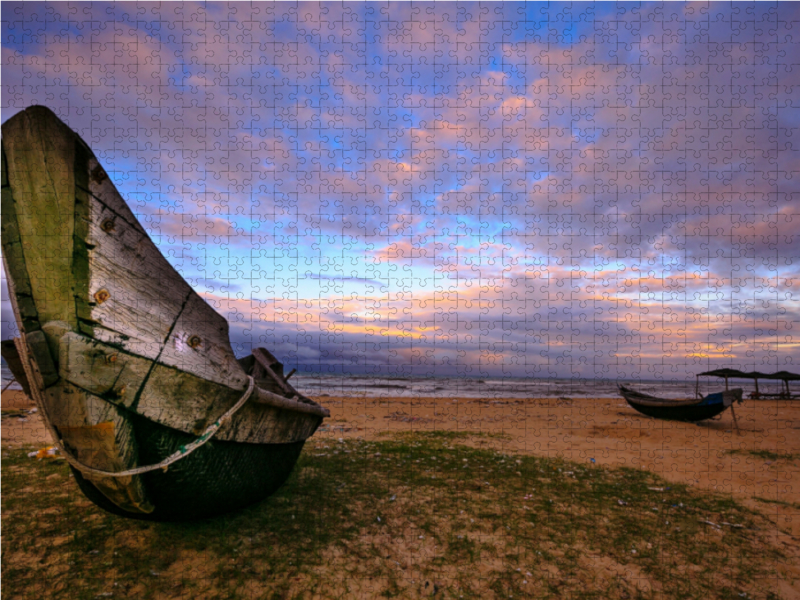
(115, 344)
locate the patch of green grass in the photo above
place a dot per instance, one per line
(417, 515)
(765, 454)
(794, 505)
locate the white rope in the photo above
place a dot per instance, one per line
(182, 452)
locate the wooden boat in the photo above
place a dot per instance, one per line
(132, 370)
(681, 410)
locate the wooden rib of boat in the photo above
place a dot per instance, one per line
(126, 362)
(8, 349)
(681, 410)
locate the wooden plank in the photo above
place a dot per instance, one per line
(39, 151)
(102, 370)
(268, 360)
(69, 412)
(80, 243)
(40, 352)
(247, 364)
(263, 380)
(272, 369)
(19, 285)
(101, 186)
(181, 400)
(135, 296)
(186, 402)
(105, 440)
(148, 309)
(199, 344)
(256, 421)
(53, 332)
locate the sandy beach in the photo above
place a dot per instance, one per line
(758, 465)
(710, 455)
(20, 426)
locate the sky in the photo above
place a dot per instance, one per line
(461, 189)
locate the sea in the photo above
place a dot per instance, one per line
(319, 386)
(316, 386)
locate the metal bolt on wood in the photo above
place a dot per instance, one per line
(102, 295)
(99, 174)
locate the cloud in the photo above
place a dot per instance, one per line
(528, 155)
(338, 278)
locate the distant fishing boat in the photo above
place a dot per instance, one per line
(132, 370)
(681, 410)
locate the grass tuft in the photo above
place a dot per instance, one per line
(765, 454)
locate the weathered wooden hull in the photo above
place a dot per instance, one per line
(242, 474)
(672, 410)
(116, 346)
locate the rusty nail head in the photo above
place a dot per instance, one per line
(111, 358)
(108, 225)
(194, 341)
(98, 174)
(101, 295)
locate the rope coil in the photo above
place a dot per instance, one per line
(181, 453)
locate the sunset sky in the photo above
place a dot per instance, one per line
(476, 189)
